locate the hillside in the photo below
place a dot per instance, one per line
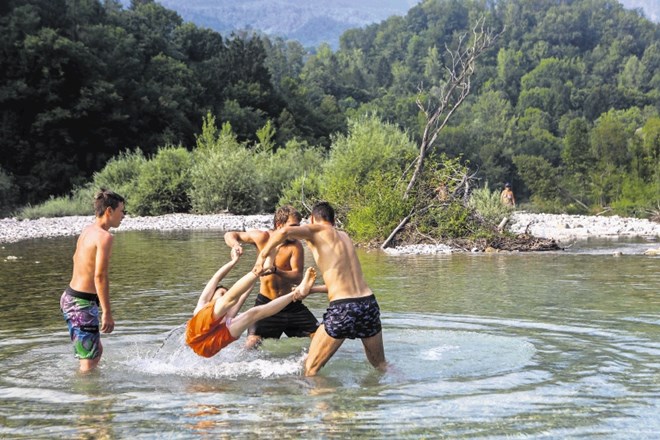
(314, 21)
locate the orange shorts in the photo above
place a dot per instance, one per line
(205, 335)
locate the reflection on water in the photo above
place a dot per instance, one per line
(556, 345)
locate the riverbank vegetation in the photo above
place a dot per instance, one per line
(565, 106)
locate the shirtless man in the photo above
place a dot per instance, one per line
(216, 322)
(353, 311)
(506, 196)
(295, 320)
(89, 287)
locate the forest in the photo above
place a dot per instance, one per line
(565, 104)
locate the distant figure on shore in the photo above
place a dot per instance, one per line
(506, 197)
(353, 311)
(216, 322)
(89, 287)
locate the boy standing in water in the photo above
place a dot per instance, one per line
(353, 311)
(216, 322)
(295, 320)
(89, 287)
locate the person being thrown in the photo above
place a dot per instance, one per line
(216, 322)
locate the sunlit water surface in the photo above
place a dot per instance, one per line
(545, 345)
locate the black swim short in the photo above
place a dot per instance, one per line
(353, 318)
(295, 321)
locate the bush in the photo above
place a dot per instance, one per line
(280, 169)
(637, 198)
(224, 175)
(370, 149)
(487, 204)
(302, 193)
(449, 221)
(163, 185)
(62, 206)
(379, 210)
(120, 175)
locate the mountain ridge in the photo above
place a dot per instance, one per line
(313, 22)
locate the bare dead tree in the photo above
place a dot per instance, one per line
(438, 111)
(453, 92)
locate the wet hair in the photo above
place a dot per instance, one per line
(323, 211)
(283, 213)
(105, 199)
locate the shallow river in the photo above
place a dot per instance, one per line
(548, 345)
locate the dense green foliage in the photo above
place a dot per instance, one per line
(82, 80)
(566, 106)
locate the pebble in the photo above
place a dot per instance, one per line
(13, 229)
(552, 226)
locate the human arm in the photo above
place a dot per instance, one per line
(278, 237)
(212, 284)
(102, 282)
(233, 239)
(322, 288)
(290, 269)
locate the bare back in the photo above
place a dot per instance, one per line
(335, 256)
(91, 258)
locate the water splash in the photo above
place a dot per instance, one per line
(174, 357)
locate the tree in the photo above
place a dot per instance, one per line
(441, 103)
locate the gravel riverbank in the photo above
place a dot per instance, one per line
(552, 226)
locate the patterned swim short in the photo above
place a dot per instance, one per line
(81, 313)
(353, 318)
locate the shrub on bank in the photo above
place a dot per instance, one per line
(488, 205)
(279, 170)
(361, 178)
(163, 184)
(224, 175)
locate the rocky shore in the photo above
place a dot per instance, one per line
(13, 230)
(548, 226)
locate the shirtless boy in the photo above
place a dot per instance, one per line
(216, 322)
(89, 287)
(295, 320)
(353, 311)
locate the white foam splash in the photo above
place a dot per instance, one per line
(233, 361)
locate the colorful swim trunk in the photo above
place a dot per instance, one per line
(207, 336)
(81, 313)
(353, 318)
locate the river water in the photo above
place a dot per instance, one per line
(544, 345)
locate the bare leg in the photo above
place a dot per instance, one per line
(373, 348)
(87, 365)
(322, 348)
(229, 299)
(240, 323)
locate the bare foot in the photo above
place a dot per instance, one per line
(302, 290)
